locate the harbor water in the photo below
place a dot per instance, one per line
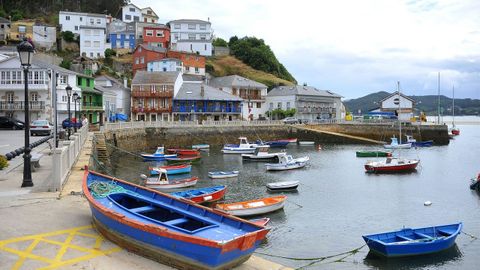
(337, 202)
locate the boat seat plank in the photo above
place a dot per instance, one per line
(423, 235)
(404, 238)
(444, 232)
(176, 221)
(142, 209)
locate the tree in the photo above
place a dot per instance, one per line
(68, 36)
(219, 42)
(232, 41)
(66, 64)
(109, 53)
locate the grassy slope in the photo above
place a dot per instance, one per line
(229, 65)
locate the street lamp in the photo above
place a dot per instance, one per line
(69, 94)
(75, 97)
(25, 50)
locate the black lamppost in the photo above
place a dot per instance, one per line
(75, 97)
(25, 52)
(69, 94)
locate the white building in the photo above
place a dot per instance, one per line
(400, 104)
(44, 36)
(310, 103)
(64, 78)
(191, 36)
(130, 13)
(121, 90)
(92, 41)
(12, 90)
(166, 64)
(253, 94)
(72, 21)
(149, 16)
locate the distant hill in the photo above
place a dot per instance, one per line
(229, 65)
(427, 104)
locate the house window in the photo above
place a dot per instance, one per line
(67, 18)
(34, 97)
(149, 33)
(92, 21)
(160, 34)
(149, 12)
(81, 18)
(259, 105)
(63, 79)
(288, 105)
(79, 81)
(76, 27)
(191, 36)
(22, 29)
(192, 26)
(87, 43)
(91, 54)
(187, 68)
(142, 60)
(176, 26)
(203, 37)
(279, 105)
(10, 97)
(99, 21)
(96, 44)
(136, 18)
(64, 98)
(128, 17)
(196, 70)
(132, 9)
(203, 27)
(136, 61)
(176, 36)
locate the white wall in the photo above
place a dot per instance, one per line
(189, 39)
(178, 84)
(77, 19)
(279, 99)
(131, 14)
(404, 103)
(44, 36)
(168, 65)
(203, 48)
(92, 42)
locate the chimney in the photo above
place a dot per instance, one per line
(125, 82)
(202, 90)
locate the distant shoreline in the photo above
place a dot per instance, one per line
(459, 120)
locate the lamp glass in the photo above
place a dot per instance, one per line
(75, 96)
(25, 50)
(69, 90)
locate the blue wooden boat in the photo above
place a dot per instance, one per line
(172, 169)
(159, 155)
(416, 143)
(171, 230)
(202, 195)
(276, 143)
(409, 242)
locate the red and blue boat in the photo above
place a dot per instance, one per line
(172, 169)
(159, 155)
(409, 242)
(171, 230)
(203, 195)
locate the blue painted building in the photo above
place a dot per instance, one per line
(197, 101)
(123, 40)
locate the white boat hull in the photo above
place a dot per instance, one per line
(283, 185)
(223, 175)
(238, 150)
(156, 185)
(398, 146)
(257, 210)
(284, 167)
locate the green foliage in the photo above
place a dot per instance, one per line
(109, 53)
(66, 63)
(255, 53)
(3, 162)
(290, 112)
(68, 36)
(219, 42)
(280, 114)
(3, 13)
(16, 14)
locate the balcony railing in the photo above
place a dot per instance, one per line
(138, 93)
(20, 105)
(92, 106)
(252, 97)
(208, 109)
(151, 110)
(316, 110)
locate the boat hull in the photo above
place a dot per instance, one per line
(217, 175)
(413, 242)
(150, 157)
(283, 186)
(202, 197)
(374, 167)
(266, 157)
(373, 154)
(284, 167)
(422, 144)
(171, 170)
(238, 150)
(257, 211)
(176, 184)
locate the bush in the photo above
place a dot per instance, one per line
(66, 64)
(219, 42)
(3, 162)
(68, 36)
(109, 53)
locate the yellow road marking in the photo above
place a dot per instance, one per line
(23, 255)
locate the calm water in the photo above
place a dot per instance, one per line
(337, 202)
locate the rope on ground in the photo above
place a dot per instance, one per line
(314, 259)
(103, 189)
(472, 236)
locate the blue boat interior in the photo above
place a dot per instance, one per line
(148, 207)
(415, 235)
(196, 192)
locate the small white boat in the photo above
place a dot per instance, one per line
(281, 186)
(162, 182)
(287, 162)
(201, 146)
(254, 207)
(262, 154)
(302, 159)
(306, 143)
(243, 148)
(222, 174)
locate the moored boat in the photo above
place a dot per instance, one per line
(291, 140)
(202, 195)
(392, 165)
(409, 242)
(183, 152)
(173, 231)
(158, 155)
(373, 153)
(275, 143)
(201, 146)
(244, 147)
(261, 154)
(306, 143)
(287, 162)
(254, 207)
(172, 169)
(260, 221)
(162, 182)
(283, 186)
(223, 174)
(183, 159)
(394, 144)
(475, 183)
(414, 142)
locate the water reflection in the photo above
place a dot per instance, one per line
(414, 262)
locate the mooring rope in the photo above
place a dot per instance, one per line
(122, 150)
(472, 236)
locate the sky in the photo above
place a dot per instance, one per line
(353, 47)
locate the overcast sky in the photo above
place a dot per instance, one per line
(355, 47)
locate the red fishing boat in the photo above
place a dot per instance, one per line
(392, 165)
(183, 152)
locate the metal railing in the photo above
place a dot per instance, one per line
(20, 105)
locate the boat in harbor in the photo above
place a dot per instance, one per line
(283, 186)
(183, 159)
(162, 181)
(455, 131)
(223, 174)
(171, 230)
(410, 242)
(202, 195)
(201, 146)
(254, 207)
(306, 143)
(172, 169)
(261, 154)
(287, 162)
(475, 183)
(373, 153)
(159, 155)
(394, 144)
(260, 221)
(414, 142)
(244, 147)
(291, 140)
(275, 143)
(183, 152)
(392, 165)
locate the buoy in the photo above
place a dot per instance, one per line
(319, 147)
(427, 203)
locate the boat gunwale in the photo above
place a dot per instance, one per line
(225, 246)
(278, 200)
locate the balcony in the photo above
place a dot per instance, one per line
(20, 105)
(165, 94)
(151, 110)
(316, 110)
(208, 109)
(252, 97)
(91, 106)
